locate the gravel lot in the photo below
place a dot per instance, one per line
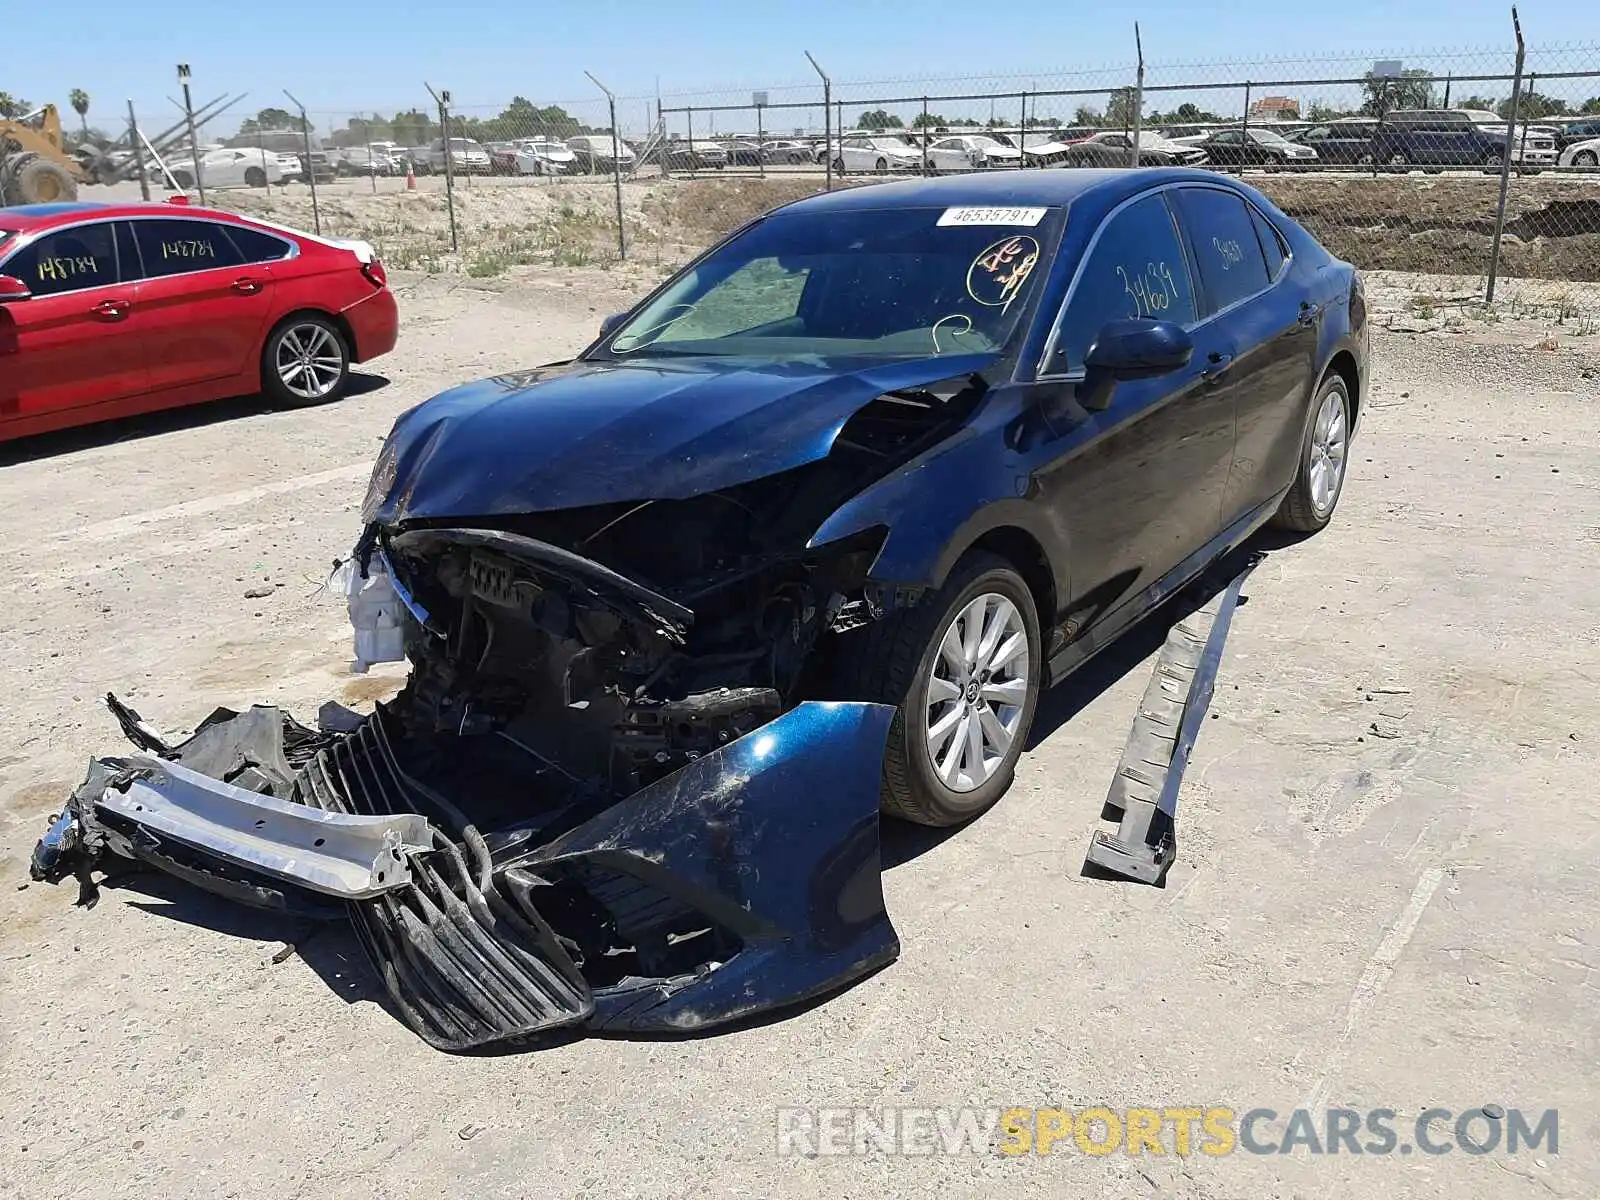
(1385, 894)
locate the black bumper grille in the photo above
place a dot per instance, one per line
(462, 951)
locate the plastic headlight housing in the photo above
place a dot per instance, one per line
(383, 475)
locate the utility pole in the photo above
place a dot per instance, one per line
(194, 138)
(827, 123)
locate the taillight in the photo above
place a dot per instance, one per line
(374, 271)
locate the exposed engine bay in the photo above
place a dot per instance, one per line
(617, 790)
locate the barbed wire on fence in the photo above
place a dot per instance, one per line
(1338, 141)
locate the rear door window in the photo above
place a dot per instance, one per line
(72, 260)
(257, 247)
(1232, 266)
(178, 247)
(1135, 269)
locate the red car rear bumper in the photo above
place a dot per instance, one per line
(375, 322)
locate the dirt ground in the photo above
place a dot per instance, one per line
(1386, 893)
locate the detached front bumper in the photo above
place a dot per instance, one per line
(745, 882)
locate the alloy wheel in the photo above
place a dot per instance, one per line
(976, 692)
(309, 361)
(1329, 442)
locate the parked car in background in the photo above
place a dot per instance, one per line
(502, 158)
(1254, 147)
(113, 309)
(230, 168)
(1044, 148)
(971, 152)
(741, 153)
(1112, 148)
(1457, 137)
(1344, 141)
(683, 155)
(596, 153)
(788, 152)
(467, 157)
(544, 156)
(880, 152)
(358, 160)
(1581, 154)
(1570, 133)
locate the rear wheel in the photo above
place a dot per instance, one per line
(963, 669)
(1586, 158)
(1400, 161)
(305, 361)
(255, 177)
(838, 166)
(183, 179)
(1319, 481)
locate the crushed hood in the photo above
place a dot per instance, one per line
(587, 433)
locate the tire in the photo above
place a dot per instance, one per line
(306, 338)
(881, 166)
(893, 662)
(1493, 160)
(1586, 158)
(183, 179)
(1399, 161)
(255, 177)
(44, 182)
(1311, 501)
(838, 166)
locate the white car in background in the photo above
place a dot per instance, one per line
(544, 156)
(1582, 154)
(880, 152)
(232, 168)
(971, 152)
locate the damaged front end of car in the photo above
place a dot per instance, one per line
(617, 791)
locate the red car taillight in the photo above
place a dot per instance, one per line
(374, 271)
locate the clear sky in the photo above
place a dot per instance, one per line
(348, 55)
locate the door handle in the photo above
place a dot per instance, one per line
(1219, 364)
(110, 310)
(247, 286)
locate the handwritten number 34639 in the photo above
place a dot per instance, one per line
(1151, 291)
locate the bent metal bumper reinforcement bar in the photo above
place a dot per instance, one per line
(345, 855)
(1145, 788)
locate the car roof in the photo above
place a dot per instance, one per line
(29, 218)
(1046, 187)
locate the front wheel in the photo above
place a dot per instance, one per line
(838, 166)
(1319, 481)
(881, 166)
(1586, 158)
(183, 179)
(963, 670)
(305, 362)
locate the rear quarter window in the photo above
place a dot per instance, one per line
(257, 247)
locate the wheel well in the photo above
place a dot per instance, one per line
(335, 319)
(1022, 551)
(1344, 365)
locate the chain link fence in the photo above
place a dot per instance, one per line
(1475, 174)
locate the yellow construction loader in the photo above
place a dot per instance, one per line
(35, 166)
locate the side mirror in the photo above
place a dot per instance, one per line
(611, 322)
(1132, 349)
(12, 288)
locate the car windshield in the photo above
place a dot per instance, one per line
(984, 139)
(892, 139)
(882, 283)
(1267, 136)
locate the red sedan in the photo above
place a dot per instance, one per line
(107, 310)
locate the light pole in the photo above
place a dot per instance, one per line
(194, 138)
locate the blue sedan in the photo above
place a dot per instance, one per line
(957, 433)
(798, 539)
